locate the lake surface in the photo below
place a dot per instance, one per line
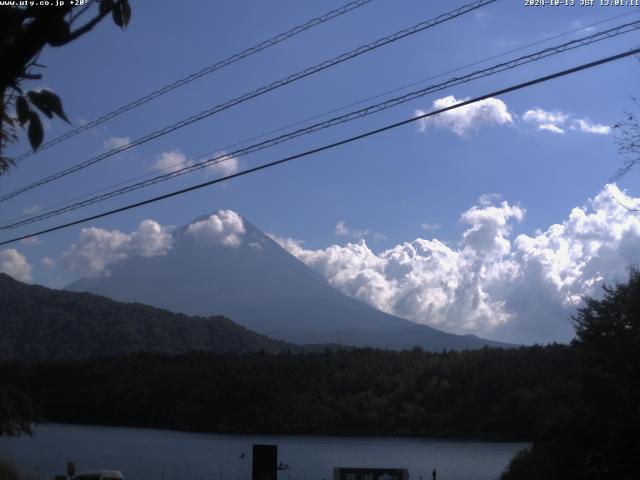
(146, 454)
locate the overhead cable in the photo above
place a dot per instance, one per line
(345, 141)
(255, 93)
(223, 157)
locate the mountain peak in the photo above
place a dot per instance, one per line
(221, 264)
(222, 228)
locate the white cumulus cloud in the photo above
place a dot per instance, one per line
(224, 227)
(545, 120)
(225, 165)
(489, 228)
(463, 120)
(550, 127)
(341, 229)
(520, 290)
(493, 111)
(586, 126)
(116, 142)
(15, 264)
(557, 122)
(98, 248)
(171, 161)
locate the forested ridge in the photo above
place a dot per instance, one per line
(39, 323)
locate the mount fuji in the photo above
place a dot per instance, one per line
(221, 264)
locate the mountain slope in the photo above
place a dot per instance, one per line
(260, 285)
(38, 323)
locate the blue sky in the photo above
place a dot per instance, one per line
(393, 188)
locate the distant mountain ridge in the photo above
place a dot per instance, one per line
(258, 284)
(39, 323)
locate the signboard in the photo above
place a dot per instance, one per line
(341, 473)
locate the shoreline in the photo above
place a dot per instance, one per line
(449, 438)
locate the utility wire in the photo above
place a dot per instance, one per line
(584, 28)
(361, 136)
(321, 115)
(194, 76)
(222, 157)
(403, 87)
(260, 91)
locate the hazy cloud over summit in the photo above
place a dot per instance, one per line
(224, 227)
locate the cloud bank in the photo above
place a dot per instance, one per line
(520, 289)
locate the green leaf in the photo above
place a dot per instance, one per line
(48, 103)
(40, 101)
(35, 131)
(22, 109)
(121, 13)
(126, 12)
(54, 103)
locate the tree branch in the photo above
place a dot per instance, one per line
(87, 27)
(81, 12)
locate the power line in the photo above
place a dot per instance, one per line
(201, 73)
(335, 144)
(324, 114)
(222, 157)
(335, 110)
(260, 91)
(584, 28)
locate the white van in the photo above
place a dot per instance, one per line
(99, 475)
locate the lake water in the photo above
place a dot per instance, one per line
(145, 454)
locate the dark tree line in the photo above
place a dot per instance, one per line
(501, 393)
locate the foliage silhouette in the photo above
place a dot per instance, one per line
(17, 412)
(24, 32)
(597, 436)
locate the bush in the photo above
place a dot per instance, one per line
(8, 471)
